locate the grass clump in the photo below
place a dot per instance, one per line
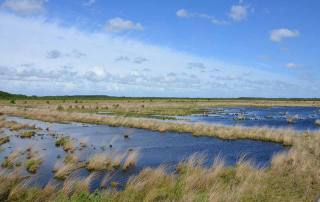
(131, 160)
(70, 158)
(27, 134)
(4, 139)
(62, 172)
(32, 165)
(100, 161)
(66, 143)
(10, 160)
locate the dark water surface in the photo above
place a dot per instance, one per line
(155, 148)
(303, 117)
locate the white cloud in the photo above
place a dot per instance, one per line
(24, 67)
(238, 12)
(183, 13)
(291, 65)
(89, 2)
(277, 35)
(24, 6)
(119, 25)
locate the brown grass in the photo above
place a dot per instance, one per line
(283, 136)
(131, 160)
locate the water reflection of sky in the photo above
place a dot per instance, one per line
(155, 148)
(304, 117)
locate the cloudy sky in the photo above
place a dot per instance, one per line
(180, 48)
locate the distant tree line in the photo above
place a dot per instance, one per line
(9, 96)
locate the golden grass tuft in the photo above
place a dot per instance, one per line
(131, 160)
(100, 161)
(63, 171)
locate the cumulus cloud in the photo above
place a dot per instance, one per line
(135, 60)
(27, 70)
(183, 13)
(238, 12)
(24, 6)
(291, 65)
(119, 25)
(54, 54)
(196, 65)
(140, 60)
(277, 35)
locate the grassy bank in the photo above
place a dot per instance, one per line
(292, 176)
(147, 107)
(286, 137)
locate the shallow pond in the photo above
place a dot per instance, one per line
(154, 148)
(299, 118)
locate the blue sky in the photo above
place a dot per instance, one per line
(177, 48)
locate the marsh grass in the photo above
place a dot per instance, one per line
(14, 126)
(292, 176)
(131, 160)
(27, 134)
(70, 158)
(4, 139)
(63, 171)
(32, 165)
(284, 136)
(102, 161)
(11, 160)
(66, 143)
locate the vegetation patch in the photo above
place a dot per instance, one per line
(4, 139)
(99, 162)
(27, 134)
(66, 143)
(32, 165)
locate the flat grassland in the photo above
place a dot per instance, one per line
(292, 176)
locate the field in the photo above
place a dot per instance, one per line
(292, 175)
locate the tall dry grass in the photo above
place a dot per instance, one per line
(292, 176)
(284, 136)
